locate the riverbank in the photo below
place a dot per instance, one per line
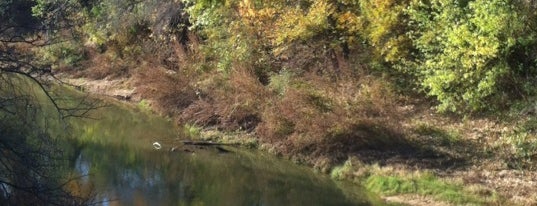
(434, 99)
(474, 159)
(429, 99)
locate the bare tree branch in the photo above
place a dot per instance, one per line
(28, 155)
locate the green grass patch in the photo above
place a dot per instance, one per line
(352, 169)
(388, 181)
(424, 184)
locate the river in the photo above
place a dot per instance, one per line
(113, 155)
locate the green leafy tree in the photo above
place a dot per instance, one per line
(463, 49)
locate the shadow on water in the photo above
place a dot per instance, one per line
(116, 153)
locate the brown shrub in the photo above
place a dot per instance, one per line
(171, 91)
(230, 102)
(318, 118)
(168, 75)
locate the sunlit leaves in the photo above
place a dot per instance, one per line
(385, 27)
(463, 49)
(298, 25)
(458, 51)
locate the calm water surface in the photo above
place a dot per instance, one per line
(115, 156)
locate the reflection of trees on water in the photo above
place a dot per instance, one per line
(135, 176)
(30, 160)
(32, 163)
(31, 168)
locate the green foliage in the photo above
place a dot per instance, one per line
(469, 55)
(259, 35)
(520, 144)
(65, 53)
(311, 35)
(130, 28)
(192, 130)
(297, 25)
(228, 40)
(145, 105)
(57, 15)
(463, 49)
(280, 82)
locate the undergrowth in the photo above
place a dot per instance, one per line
(518, 146)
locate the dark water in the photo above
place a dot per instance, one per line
(115, 156)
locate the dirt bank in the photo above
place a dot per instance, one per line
(120, 88)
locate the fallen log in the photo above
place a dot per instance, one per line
(206, 143)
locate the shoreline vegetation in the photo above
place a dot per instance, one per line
(443, 170)
(421, 101)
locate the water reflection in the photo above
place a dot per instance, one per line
(116, 152)
(148, 177)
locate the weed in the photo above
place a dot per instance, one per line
(280, 82)
(517, 146)
(523, 149)
(191, 130)
(144, 105)
(316, 118)
(170, 91)
(352, 169)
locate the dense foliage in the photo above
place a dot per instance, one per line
(465, 51)
(469, 55)
(308, 76)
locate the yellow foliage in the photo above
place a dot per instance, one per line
(349, 24)
(296, 24)
(384, 27)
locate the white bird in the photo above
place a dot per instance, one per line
(157, 145)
